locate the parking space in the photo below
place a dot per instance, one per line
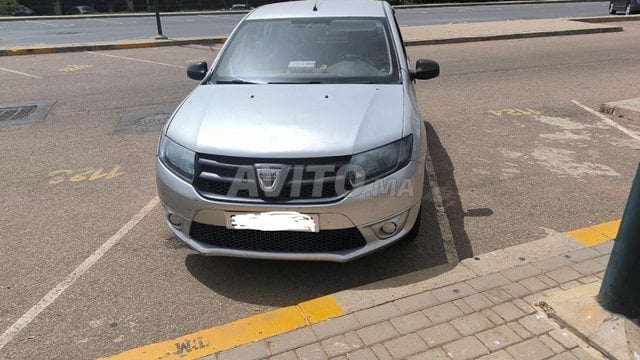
(514, 158)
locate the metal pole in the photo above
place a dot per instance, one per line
(160, 35)
(620, 290)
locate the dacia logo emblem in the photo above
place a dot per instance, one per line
(268, 177)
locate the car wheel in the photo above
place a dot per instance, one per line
(628, 10)
(612, 9)
(415, 230)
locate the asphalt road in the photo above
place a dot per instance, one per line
(515, 159)
(25, 32)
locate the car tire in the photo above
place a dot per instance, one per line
(627, 11)
(612, 10)
(415, 230)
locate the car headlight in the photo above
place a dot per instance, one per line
(176, 157)
(384, 160)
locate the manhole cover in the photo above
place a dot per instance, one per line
(143, 121)
(30, 112)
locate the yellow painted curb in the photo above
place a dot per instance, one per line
(597, 234)
(240, 332)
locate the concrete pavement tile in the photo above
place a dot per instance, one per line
(589, 267)
(363, 354)
(552, 291)
(520, 330)
(547, 280)
(564, 356)
(381, 352)
(466, 348)
(532, 349)
(520, 272)
(452, 292)
(341, 344)
(416, 302)
(508, 311)
(289, 355)
(563, 275)
(570, 285)
(497, 296)
(588, 279)
(582, 354)
(524, 306)
(488, 281)
(405, 346)
(435, 354)
(580, 255)
(537, 324)
(471, 324)
(377, 314)
(551, 263)
(563, 337)
(463, 306)
(336, 326)
(534, 284)
(604, 248)
(439, 334)
(493, 317)
(256, 350)
(311, 352)
(478, 302)
(500, 355)
(551, 344)
(443, 312)
(498, 338)
(411, 322)
(516, 290)
(378, 333)
(604, 260)
(291, 340)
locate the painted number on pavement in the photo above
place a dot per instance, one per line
(514, 112)
(72, 68)
(87, 174)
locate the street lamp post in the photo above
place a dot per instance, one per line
(160, 35)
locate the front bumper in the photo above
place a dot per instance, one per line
(395, 198)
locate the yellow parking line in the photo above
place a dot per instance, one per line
(240, 332)
(597, 234)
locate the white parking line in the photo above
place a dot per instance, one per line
(106, 21)
(41, 23)
(77, 273)
(608, 121)
(133, 59)
(20, 73)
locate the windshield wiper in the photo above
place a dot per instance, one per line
(296, 82)
(234, 81)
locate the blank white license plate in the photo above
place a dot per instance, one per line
(273, 221)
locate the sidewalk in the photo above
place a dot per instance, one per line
(494, 306)
(414, 35)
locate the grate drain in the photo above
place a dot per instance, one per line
(34, 111)
(143, 121)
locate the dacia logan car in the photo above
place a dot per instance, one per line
(303, 140)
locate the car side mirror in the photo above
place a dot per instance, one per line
(197, 71)
(425, 70)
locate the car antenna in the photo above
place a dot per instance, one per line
(315, 6)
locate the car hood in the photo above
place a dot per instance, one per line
(288, 120)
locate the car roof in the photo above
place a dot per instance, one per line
(326, 8)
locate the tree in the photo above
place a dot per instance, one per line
(7, 6)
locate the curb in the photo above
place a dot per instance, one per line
(112, 46)
(236, 12)
(629, 109)
(281, 321)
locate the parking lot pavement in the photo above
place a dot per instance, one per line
(514, 159)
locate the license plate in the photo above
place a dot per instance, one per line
(273, 221)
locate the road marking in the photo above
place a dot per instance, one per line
(20, 73)
(237, 333)
(90, 174)
(514, 112)
(41, 23)
(75, 275)
(608, 121)
(133, 59)
(106, 21)
(597, 234)
(72, 68)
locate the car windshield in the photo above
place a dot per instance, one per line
(345, 50)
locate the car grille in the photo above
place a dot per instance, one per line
(216, 174)
(278, 241)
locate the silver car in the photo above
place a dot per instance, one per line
(303, 140)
